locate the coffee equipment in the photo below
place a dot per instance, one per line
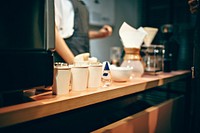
(153, 58)
(26, 43)
(132, 59)
(167, 32)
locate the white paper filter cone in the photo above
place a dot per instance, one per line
(151, 33)
(131, 37)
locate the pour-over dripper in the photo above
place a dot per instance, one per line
(132, 59)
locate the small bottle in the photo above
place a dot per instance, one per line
(115, 55)
(106, 76)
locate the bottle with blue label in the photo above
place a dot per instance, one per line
(106, 75)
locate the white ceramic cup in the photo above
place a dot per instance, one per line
(61, 81)
(81, 63)
(95, 73)
(79, 78)
(30, 92)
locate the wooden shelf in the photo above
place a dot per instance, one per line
(47, 104)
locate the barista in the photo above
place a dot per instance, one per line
(72, 25)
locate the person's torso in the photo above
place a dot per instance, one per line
(79, 42)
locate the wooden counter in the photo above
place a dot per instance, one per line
(47, 104)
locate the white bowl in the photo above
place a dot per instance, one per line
(121, 74)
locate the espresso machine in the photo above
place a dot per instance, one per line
(26, 44)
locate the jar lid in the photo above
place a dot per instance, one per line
(153, 46)
(61, 66)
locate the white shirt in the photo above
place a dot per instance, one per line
(64, 17)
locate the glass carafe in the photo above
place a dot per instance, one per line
(153, 58)
(132, 59)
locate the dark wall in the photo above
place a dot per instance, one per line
(175, 12)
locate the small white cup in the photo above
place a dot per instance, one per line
(30, 92)
(95, 73)
(81, 63)
(79, 78)
(62, 75)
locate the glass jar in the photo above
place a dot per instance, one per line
(153, 57)
(132, 59)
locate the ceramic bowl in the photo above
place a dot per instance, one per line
(121, 74)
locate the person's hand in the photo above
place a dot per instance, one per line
(194, 5)
(106, 30)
